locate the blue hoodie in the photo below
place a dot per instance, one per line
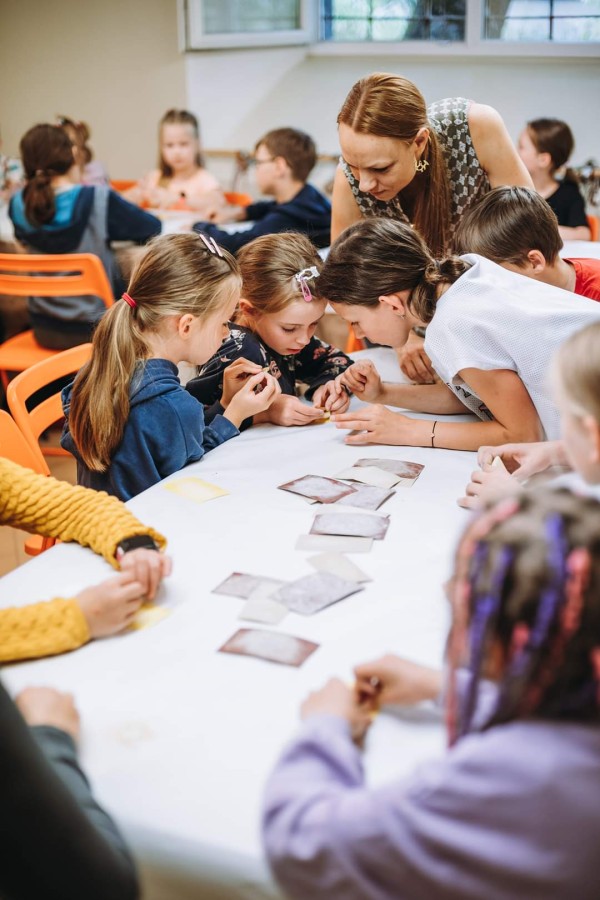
(165, 431)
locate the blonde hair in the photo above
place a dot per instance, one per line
(177, 274)
(391, 106)
(578, 370)
(268, 266)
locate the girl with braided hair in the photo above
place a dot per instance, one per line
(490, 335)
(513, 808)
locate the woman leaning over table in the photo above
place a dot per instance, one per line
(424, 165)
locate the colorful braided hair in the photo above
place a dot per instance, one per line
(526, 599)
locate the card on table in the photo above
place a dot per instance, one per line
(195, 489)
(366, 496)
(240, 584)
(333, 543)
(148, 615)
(317, 487)
(311, 593)
(351, 525)
(263, 609)
(407, 472)
(269, 645)
(369, 475)
(339, 565)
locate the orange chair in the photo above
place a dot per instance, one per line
(353, 343)
(236, 199)
(64, 275)
(122, 184)
(32, 423)
(594, 223)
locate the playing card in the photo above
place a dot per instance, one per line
(369, 475)
(353, 525)
(333, 543)
(311, 593)
(263, 609)
(148, 615)
(407, 472)
(240, 584)
(366, 496)
(317, 487)
(269, 645)
(195, 489)
(339, 565)
(498, 464)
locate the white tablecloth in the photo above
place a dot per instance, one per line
(177, 738)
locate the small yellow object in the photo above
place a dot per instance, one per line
(324, 418)
(148, 615)
(195, 489)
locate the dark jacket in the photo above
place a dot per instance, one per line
(309, 212)
(164, 432)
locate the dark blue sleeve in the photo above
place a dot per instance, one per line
(256, 211)
(319, 363)
(127, 222)
(274, 222)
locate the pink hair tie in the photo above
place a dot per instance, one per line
(129, 300)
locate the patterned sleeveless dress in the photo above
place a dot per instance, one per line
(468, 181)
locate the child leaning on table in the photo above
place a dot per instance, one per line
(56, 509)
(275, 327)
(513, 808)
(576, 380)
(515, 227)
(490, 334)
(129, 422)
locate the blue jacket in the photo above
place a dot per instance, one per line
(308, 212)
(164, 432)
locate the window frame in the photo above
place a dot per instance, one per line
(194, 39)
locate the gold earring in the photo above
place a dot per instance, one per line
(421, 165)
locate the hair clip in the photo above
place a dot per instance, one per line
(303, 277)
(211, 245)
(129, 300)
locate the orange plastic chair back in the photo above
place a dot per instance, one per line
(86, 275)
(33, 423)
(594, 223)
(123, 184)
(237, 199)
(353, 343)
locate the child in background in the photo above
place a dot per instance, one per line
(577, 390)
(92, 171)
(181, 181)
(490, 336)
(515, 227)
(513, 808)
(283, 159)
(275, 327)
(129, 421)
(545, 147)
(57, 509)
(55, 214)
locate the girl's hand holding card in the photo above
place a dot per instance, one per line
(362, 379)
(337, 699)
(235, 376)
(331, 397)
(247, 402)
(288, 410)
(392, 680)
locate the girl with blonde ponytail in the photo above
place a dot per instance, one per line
(491, 334)
(129, 422)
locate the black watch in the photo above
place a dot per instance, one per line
(135, 543)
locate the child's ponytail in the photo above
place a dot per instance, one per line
(46, 152)
(379, 257)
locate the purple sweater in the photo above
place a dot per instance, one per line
(511, 813)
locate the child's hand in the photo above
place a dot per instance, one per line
(109, 607)
(362, 378)
(235, 376)
(376, 425)
(392, 680)
(337, 699)
(525, 460)
(147, 567)
(45, 706)
(488, 483)
(256, 394)
(288, 410)
(331, 397)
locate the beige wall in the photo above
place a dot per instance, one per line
(113, 63)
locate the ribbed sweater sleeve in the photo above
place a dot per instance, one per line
(41, 629)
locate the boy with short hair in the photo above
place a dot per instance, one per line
(515, 227)
(283, 159)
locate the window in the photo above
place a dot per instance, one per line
(245, 23)
(542, 20)
(399, 20)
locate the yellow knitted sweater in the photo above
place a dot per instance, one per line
(56, 509)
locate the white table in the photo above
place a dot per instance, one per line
(177, 738)
(581, 249)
